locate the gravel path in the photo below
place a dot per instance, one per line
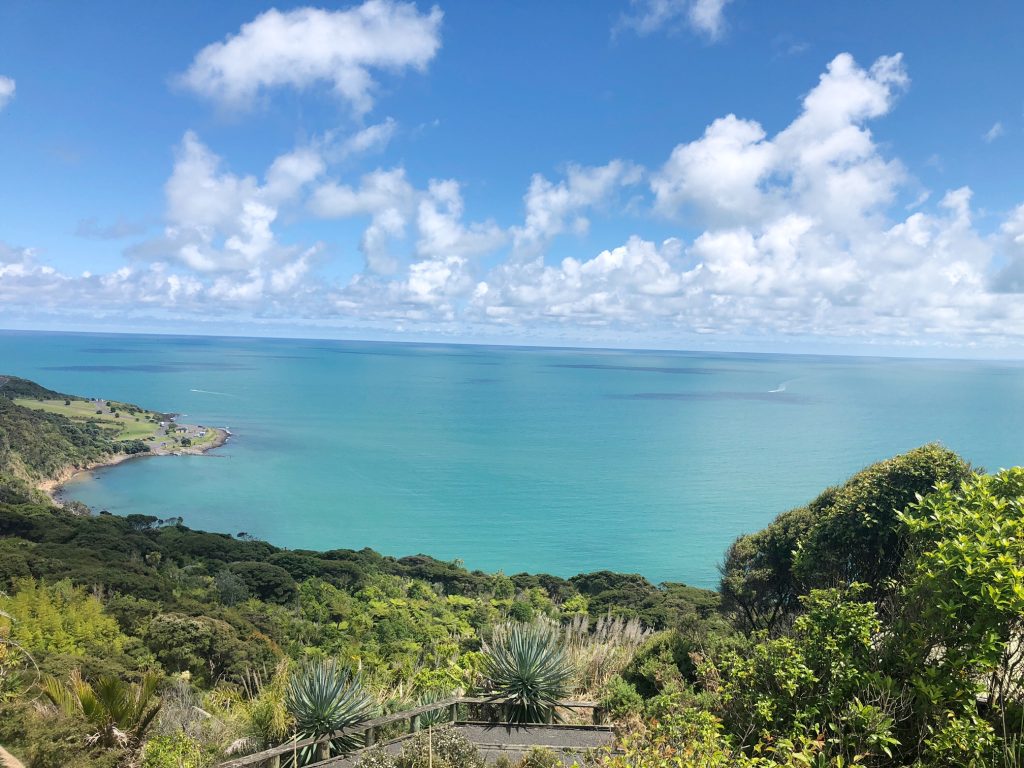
(516, 741)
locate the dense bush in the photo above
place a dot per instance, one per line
(267, 582)
(847, 534)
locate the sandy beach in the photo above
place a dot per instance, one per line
(52, 486)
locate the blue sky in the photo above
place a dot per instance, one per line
(665, 173)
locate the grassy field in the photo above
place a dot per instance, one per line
(207, 439)
(130, 426)
(131, 423)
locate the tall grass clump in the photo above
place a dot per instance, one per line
(600, 653)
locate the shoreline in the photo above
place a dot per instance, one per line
(53, 486)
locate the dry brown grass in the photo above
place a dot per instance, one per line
(601, 651)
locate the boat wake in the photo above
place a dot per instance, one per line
(209, 392)
(781, 387)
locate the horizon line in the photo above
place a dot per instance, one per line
(523, 347)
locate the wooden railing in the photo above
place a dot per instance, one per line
(271, 758)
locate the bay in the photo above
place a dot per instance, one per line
(517, 459)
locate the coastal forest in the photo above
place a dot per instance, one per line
(881, 624)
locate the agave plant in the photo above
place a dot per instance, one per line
(436, 717)
(528, 664)
(121, 712)
(324, 697)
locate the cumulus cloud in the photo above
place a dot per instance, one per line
(632, 283)
(441, 230)
(1010, 278)
(994, 132)
(797, 239)
(307, 46)
(373, 138)
(220, 229)
(706, 17)
(386, 197)
(825, 161)
(7, 88)
(553, 208)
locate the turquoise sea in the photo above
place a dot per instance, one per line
(552, 460)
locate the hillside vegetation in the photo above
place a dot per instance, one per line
(37, 445)
(879, 625)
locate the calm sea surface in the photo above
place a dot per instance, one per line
(549, 460)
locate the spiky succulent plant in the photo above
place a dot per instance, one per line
(436, 717)
(325, 696)
(528, 664)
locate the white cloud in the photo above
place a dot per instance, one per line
(706, 17)
(1010, 278)
(220, 226)
(721, 173)
(797, 240)
(824, 162)
(370, 139)
(387, 197)
(552, 209)
(7, 88)
(441, 231)
(994, 132)
(306, 46)
(631, 283)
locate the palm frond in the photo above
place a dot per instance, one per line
(59, 696)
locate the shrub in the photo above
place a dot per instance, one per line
(376, 756)
(206, 648)
(540, 757)
(676, 738)
(231, 588)
(60, 618)
(268, 582)
(440, 748)
(177, 751)
(620, 699)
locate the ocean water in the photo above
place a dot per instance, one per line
(542, 460)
